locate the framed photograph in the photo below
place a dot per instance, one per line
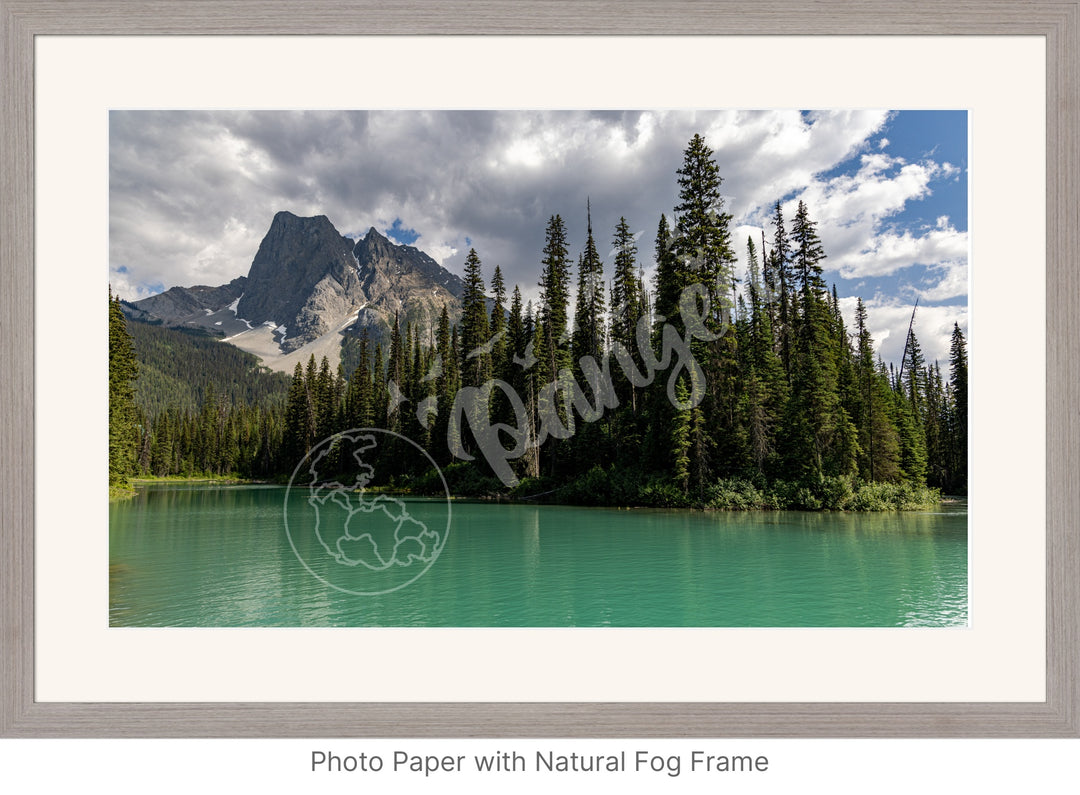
(680, 370)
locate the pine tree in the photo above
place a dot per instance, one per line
(517, 337)
(625, 290)
(878, 458)
(590, 342)
(958, 387)
(679, 438)
(702, 236)
(670, 276)
(765, 393)
(553, 349)
(552, 345)
(661, 415)
(935, 428)
(380, 395)
(395, 377)
(323, 395)
(627, 309)
(161, 451)
(475, 330)
(821, 439)
(445, 387)
(807, 255)
(779, 286)
(498, 330)
(589, 337)
(914, 366)
(358, 394)
(912, 439)
(298, 422)
(703, 245)
(123, 370)
(476, 345)
(423, 393)
(408, 375)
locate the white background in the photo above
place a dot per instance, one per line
(1000, 657)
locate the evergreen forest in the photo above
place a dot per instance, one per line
(786, 408)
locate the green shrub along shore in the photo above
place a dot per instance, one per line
(609, 487)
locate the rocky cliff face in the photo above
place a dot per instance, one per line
(303, 279)
(308, 282)
(187, 301)
(405, 281)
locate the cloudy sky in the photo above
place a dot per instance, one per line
(193, 192)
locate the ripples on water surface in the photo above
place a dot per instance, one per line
(213, 556)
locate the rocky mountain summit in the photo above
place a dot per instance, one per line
(308, 285)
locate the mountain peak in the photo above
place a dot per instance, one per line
(288, 220)
(307, 282)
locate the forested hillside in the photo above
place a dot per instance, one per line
(180, 369)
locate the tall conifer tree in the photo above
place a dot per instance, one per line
(475, 330)
(123, 370)
(958, 387)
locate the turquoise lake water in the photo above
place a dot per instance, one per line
(198, 555)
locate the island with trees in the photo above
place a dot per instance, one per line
(783, 406)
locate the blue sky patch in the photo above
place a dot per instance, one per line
(402, 235)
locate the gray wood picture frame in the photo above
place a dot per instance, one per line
(22, 716)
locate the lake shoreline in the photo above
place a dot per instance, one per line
(204, 556)
(510, 499)
(226, 480)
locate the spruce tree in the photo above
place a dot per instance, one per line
(476, 344)
(670, 277)
(702, 236)
(395, 377)
(765, 388)
(446, 388)
(475, 330)
(298, 423)
(123, 370)
(553, 349)
(498, 330)
(589, 337)
(821, 439)
(361, 413)
(517, 337)
(914, 374)
(627, 308)
(912, 439)
(878, 458)
(380, 408)
(324, 395)
(668, 284)
(935, 428)
(779, 288)
(958, 387)
(807, 255)
(679, 438)
(553, 344)
(625, 290)
(703, 245)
